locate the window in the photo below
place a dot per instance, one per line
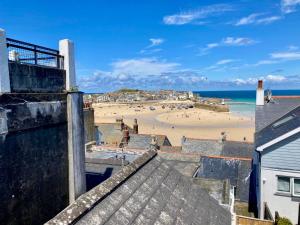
(297, 186)
(283, 184)
(283, 121)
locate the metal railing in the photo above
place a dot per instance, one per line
(23, 52)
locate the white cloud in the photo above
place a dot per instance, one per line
(227, 42)
(155, 42)
(286, 56)
(193, 16)
(253, 80)
(143, 66)
(257, 18)
(293, 48)
(268, 20)
(266, 62)
(275, 78)
(225, 61)
(150, 51)
(240, 41)
(289, 6)
(247, 20)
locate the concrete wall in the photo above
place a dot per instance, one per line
(33, 158)
(286, 205)
(31, 78)
(89, 125)
(76, 154)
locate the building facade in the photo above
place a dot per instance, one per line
(276, 162)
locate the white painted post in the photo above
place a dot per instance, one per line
(4, 72)
(66, 49)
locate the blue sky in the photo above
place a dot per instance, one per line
(168, 44)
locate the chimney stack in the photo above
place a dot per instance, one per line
(260, 98)
(153, 144)
(125, 136)
(135, 127)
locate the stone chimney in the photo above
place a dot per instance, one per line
(121, 122)
(153, 144)
(125, 136)
(135, 127)
(260, 98)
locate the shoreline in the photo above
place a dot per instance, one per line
(175, 123)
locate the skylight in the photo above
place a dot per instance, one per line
(283, 121)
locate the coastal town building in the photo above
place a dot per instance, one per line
(112, 133)
(147, 141)
(148, 191)
(41, 131)
(276, 163)
(217, 147)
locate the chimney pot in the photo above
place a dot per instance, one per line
(260, 96)
(260, 84)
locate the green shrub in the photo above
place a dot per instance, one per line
(284, 221)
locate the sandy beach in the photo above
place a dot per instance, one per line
(192, 122)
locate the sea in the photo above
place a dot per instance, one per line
(242, 102)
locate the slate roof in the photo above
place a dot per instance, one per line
(148, 191)
(237, 149)
(270, 132)
(270, 112)
(202, 146)
(111, 133)
(222, 168)
(218, 148)
(143, 141)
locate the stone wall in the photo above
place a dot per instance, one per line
(32, 78)
(33, 157)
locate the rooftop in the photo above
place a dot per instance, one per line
(217, 147)
(148, 191)
(270, 112)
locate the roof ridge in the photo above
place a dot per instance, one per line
(227, 157)
(88, 200)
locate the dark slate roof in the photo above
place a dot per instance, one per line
(202, 146)
(218, 148)
(218, 189)
(270, 133)
(237, 149)
(148, 191)
(222, 168)
(143, 141)
(270, 112)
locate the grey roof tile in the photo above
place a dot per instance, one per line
(270, 132)
(148, 192)
(270, 112)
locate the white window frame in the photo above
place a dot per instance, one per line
(296, 195)
(285, 192)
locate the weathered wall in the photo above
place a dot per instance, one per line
(32, 78)
(237, 171)
(89, 125)
(33, 158)
(76, 154)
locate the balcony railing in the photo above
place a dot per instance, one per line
(27, 53)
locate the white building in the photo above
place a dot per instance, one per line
(277, 158)
(103, 98)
